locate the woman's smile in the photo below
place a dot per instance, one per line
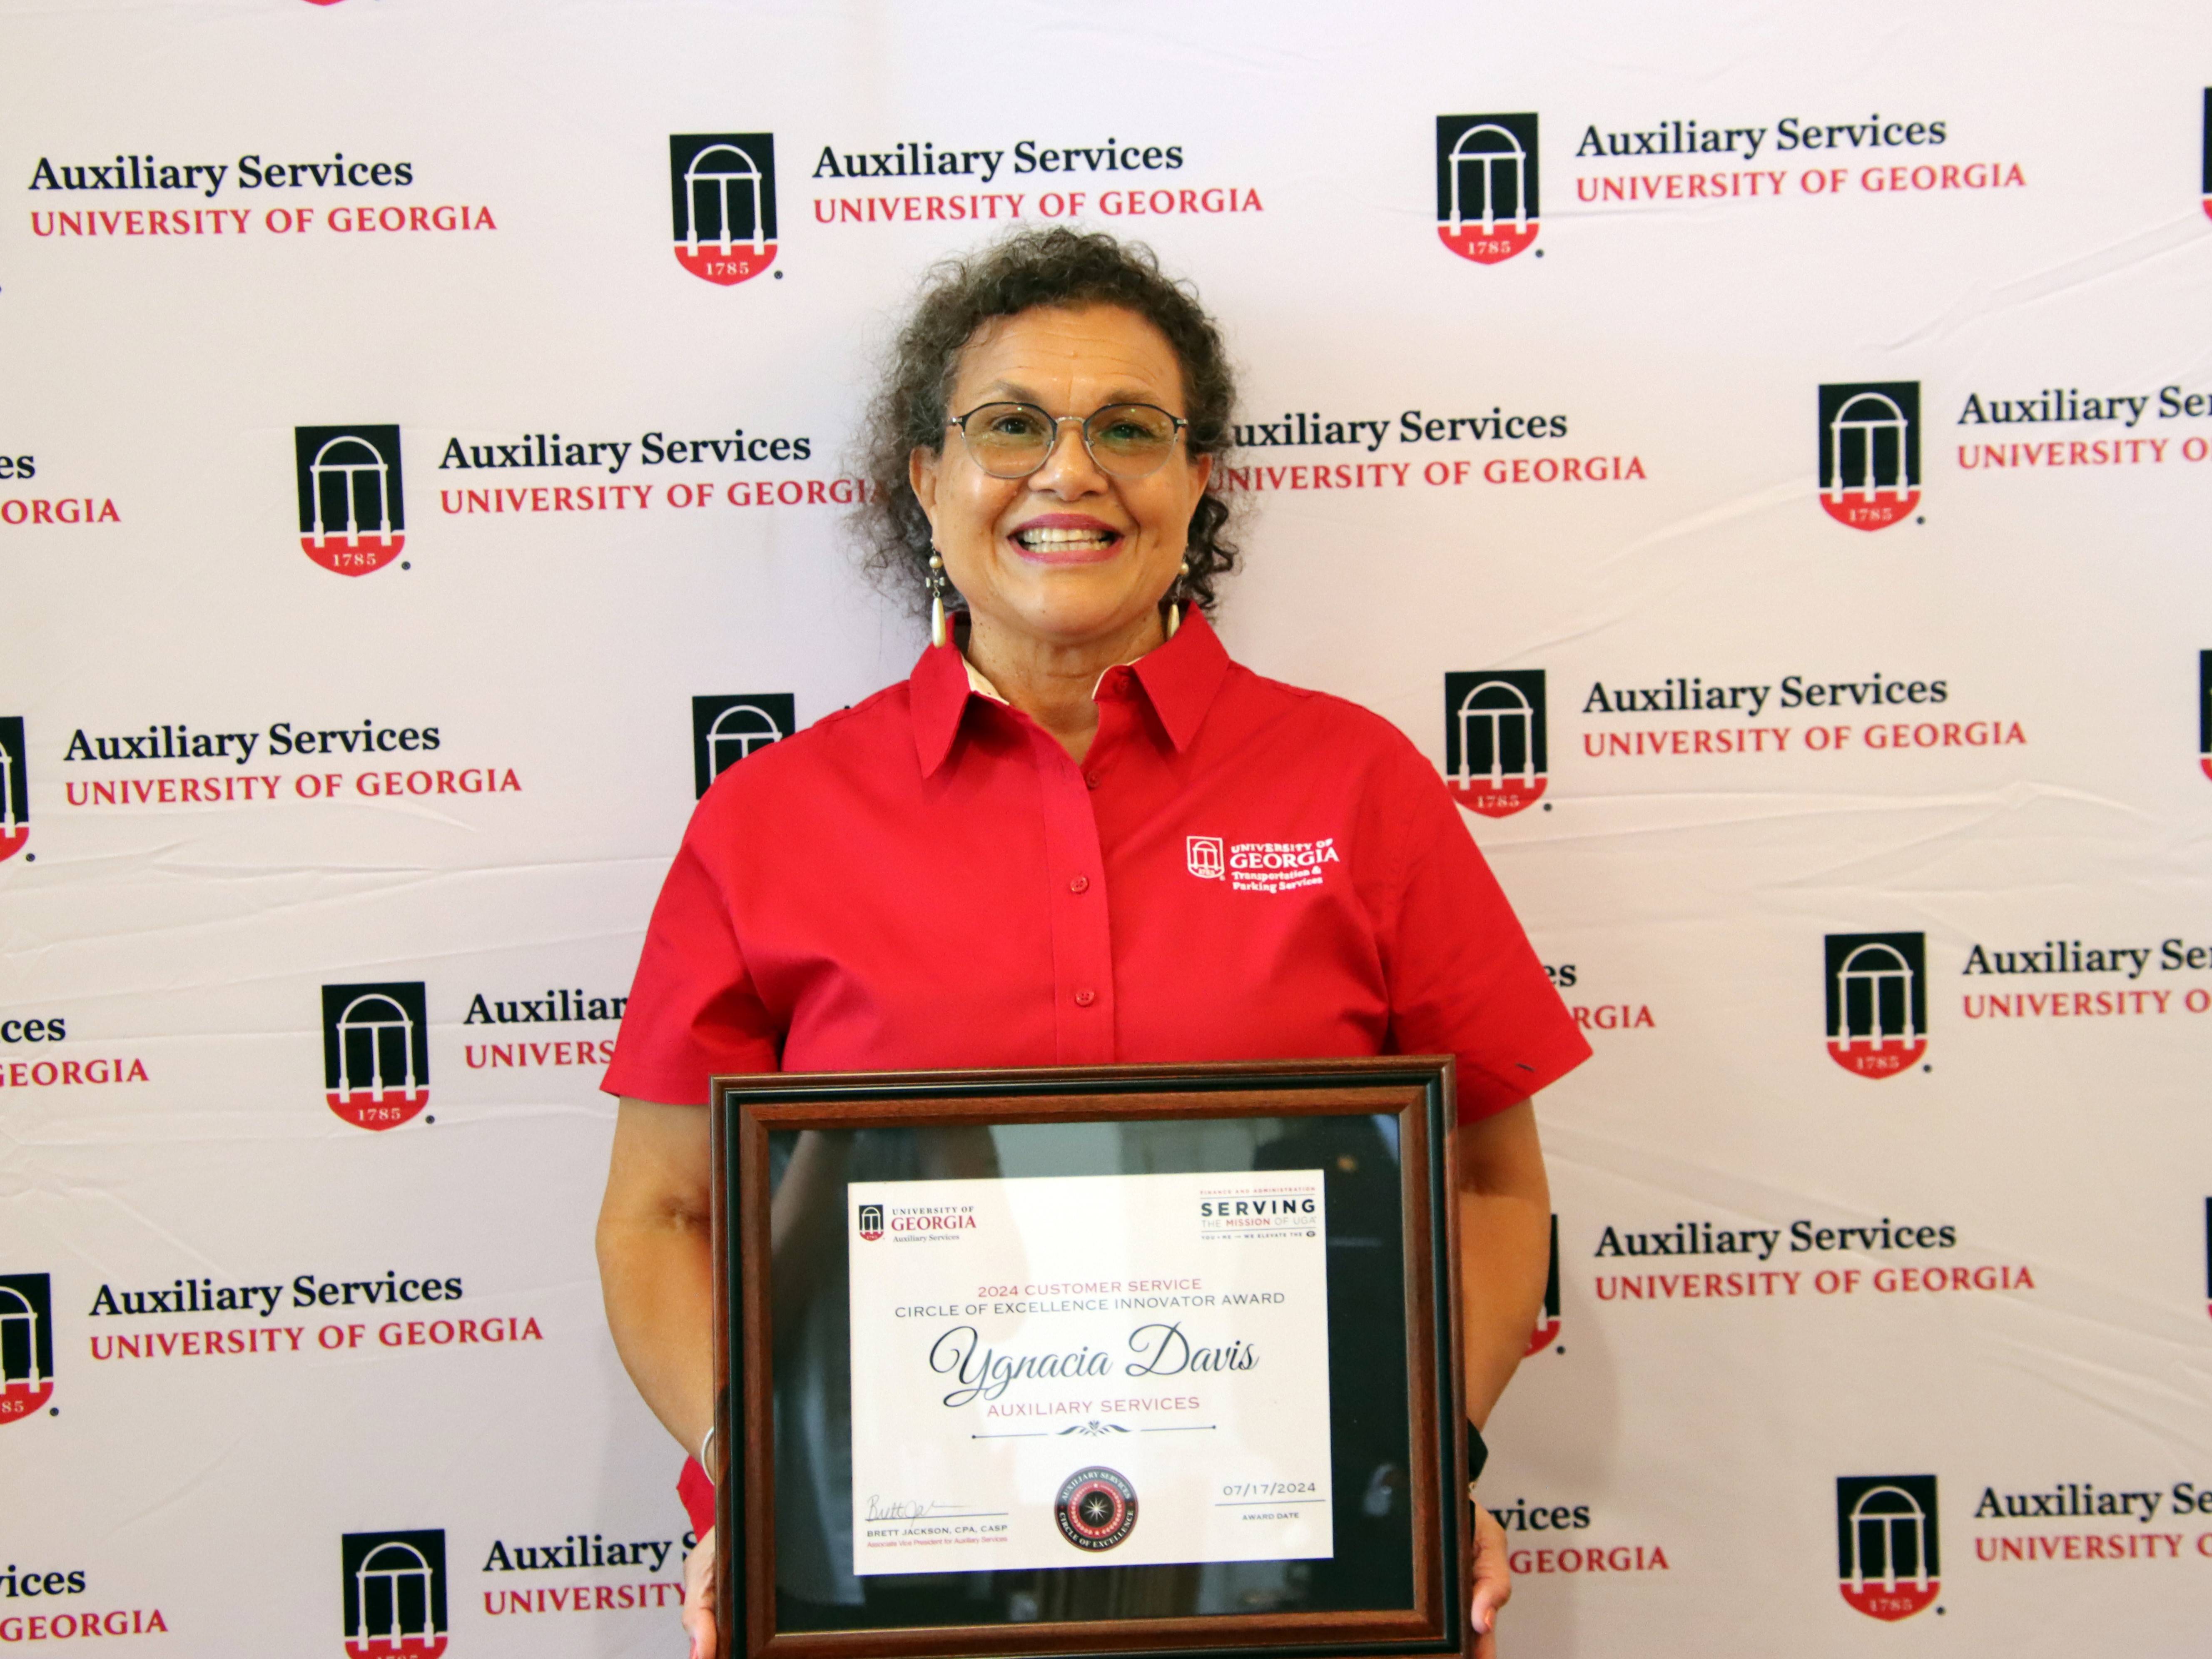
(1064, 539)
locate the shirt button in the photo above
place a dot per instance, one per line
(1089, 781)
(1083, 998)
(1080, 885)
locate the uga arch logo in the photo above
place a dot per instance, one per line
(27, 1343)
(395, 1594)
(724, 189)
(2204, 717)
(1877, 996)
(1870, 452)
(726, 729)
(353, 514)
(1486, 185)
(1886, 1552)
(15, 787)
(1495, 739)
(871, 1222)
(376, 1052)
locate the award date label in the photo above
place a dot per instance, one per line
(1088, 1370)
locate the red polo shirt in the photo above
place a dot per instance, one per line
(1238, 869)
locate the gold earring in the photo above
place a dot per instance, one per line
(937, 631)
(1174, 604)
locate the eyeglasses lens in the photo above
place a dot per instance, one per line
(1011, 441)
(1130, 439)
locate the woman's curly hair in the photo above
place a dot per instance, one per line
(1021, 271)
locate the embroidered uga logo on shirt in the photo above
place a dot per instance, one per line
(1206, 856)
(1263, 867)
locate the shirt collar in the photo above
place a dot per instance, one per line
(983, 688)
(1181, 679)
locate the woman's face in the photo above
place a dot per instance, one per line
(1070, 554)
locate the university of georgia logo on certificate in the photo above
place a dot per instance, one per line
(1486, 185)
(871, 1222)
(1495, 739)
(1877, 997)
(1870, 452)
(1096, 1508)
(353, 513)
(724, 184)
(1887, 1563)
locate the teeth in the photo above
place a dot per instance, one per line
(1044, 538)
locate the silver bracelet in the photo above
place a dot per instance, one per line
(706, 1447)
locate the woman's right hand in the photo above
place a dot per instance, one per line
(699, 1597)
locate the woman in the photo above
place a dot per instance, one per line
(1009, 859)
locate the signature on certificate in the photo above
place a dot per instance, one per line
(915, 1508)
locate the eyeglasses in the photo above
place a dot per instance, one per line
(1013, 441)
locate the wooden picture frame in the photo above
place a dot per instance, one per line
(1416, 1091)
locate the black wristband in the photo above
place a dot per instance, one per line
(1477, 1454)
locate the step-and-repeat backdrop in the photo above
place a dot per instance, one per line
(1760, 452)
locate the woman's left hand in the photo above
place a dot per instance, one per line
(1493, 1582)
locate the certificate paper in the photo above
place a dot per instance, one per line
(1088, 1370)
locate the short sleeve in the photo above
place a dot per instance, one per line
(1463, 978)
(692, 1013)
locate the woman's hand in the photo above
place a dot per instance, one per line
(699, 1594)
(1493, 1582)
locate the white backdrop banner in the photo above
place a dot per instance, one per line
(1760, 452)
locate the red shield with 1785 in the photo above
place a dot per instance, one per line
(1888, 1564)
(353, 510)
(723, 189)
(1876, 992)
(1495, 742)
(1869, 450)
(27, 1343)
(376, 1052)
(1486, 185)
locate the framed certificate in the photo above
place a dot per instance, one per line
(1105, 1360)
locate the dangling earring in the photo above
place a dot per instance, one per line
(1175, 603)
(936, 586)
